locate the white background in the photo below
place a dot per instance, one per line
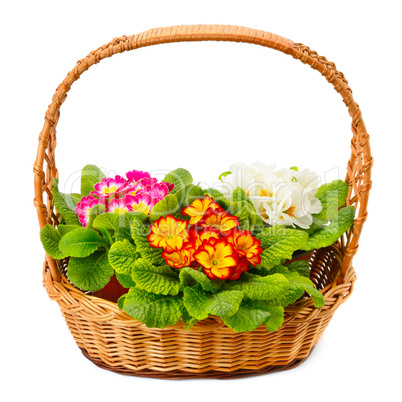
(201, 106)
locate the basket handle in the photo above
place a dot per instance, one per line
(360, 163)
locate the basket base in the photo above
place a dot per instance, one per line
(182, 375)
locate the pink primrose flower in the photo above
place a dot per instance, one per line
(111, 187)
(84, 207)
(157, 190)
(140, 202)
(118, 206)
(136, 175)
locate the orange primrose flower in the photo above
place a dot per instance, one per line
(180, 258)
(242, 266)
(217, 257)
(219, 220)
(205, 234)
(168, 232)
(198, 207)
(245, 244)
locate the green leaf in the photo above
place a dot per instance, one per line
(64, 229)
(301, 267)
(115, 221)
(191, 277)
(90, 176)
(276, 318)
(108, 221)
(65, 204)
(122, 257)
(125, 280)
(332, 196)
(94, 213)
(107, 236)
(123, 234)
(279, 243)
(239, 195)
(187, 320)
(257, 287)
(155, 311)
(50, 238)
(81, 242)
(160, 280)
(188, 194)
(166, 206)
(252, 314)
(224, 174)
(139, 233)
(297, 286)
(200, 304)
(131, 215)
(246, 213)
(180, 178)
(331, 233)
(90, 273)
(120, 302)
(218, 197)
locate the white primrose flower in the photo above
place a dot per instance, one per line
(281, 197)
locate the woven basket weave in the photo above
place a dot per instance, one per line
(114, 341)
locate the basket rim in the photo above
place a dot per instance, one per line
(302, 310)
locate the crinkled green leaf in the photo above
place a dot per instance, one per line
(252, 314)
(90, 176)
(122, 257)
(65, 204)
(187, 320)
(123, 234)
(50, 238)
(297, 286)
(239, 195)
(180, 178)
(301, 267)
(166, 206)
(90, 273)
(161, 280)
(131, 215)
(155, 311)
(279, 244)
(256, 287)
(63, 229)
(139, 233)
(332, 196)
(276, 318)
(244, 210)
(188, 194)
(81, 242)
(191, 277)
(200, 303)
(331, 233)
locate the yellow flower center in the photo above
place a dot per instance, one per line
(215, 262)
(109, 190)
(290, 211)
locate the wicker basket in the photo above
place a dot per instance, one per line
(114, 341)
